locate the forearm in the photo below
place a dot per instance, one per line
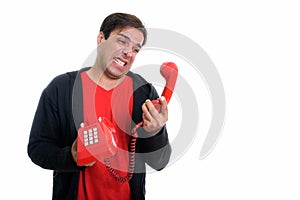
(51, 137)
(156, 149)
(49, 156)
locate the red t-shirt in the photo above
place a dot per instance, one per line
(116, 106)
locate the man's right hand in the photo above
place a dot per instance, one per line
(74, 154)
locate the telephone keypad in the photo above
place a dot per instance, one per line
(90, 136)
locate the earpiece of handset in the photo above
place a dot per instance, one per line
(169, 71)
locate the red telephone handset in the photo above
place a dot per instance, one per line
(96, 141)
(169, 71)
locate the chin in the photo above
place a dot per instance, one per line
(115, 75)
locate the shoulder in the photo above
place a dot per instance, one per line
(62, 80)
(142, 88)
(62, 85)
(139, 82)
(136, 77)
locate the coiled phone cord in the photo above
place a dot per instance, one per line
(113, 172)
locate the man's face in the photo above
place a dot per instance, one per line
(117, 53)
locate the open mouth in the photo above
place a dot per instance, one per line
(119, 62)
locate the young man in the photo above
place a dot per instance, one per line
(107, 89)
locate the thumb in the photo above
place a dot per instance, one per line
(164, 106)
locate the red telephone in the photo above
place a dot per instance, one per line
(97, 140)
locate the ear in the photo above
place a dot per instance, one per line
(100, 38)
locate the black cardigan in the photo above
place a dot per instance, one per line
(54, 130)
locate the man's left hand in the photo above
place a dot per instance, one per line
(154, 120)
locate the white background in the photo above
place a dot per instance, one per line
(255, 46)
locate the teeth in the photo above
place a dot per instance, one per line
(119, 61)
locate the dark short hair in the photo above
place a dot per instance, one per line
(121, 20)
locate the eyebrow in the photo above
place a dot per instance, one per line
(128, 38)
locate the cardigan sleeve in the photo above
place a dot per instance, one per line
(155, 150)
(50, 137)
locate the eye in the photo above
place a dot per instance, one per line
(120, 41)
(136, 49)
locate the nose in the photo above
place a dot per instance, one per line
(127, 53)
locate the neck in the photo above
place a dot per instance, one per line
(100, 78)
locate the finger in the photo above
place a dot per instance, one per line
(145, 118)
(90, 164)
(74, 150)
(164, 106)
(151, 109)
(146, 121)
(146, 113)
(74, 145)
